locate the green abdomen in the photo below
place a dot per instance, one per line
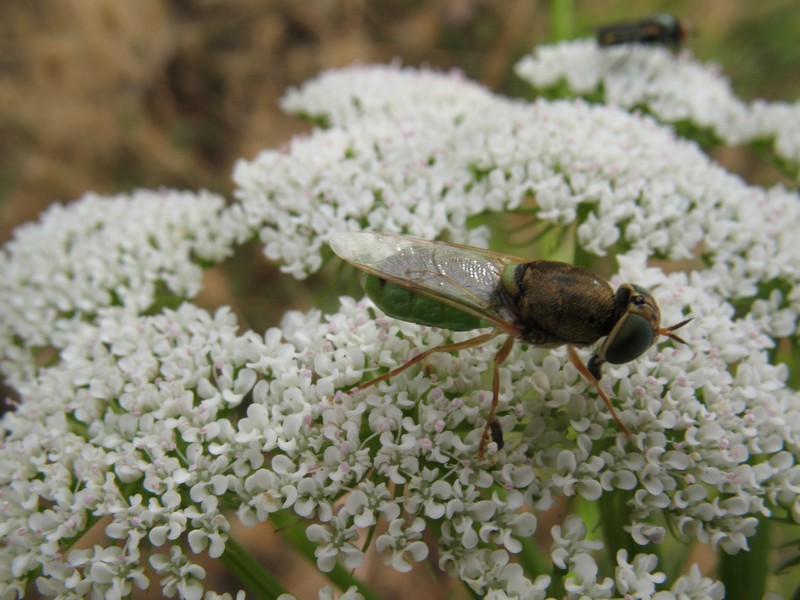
(400, 303)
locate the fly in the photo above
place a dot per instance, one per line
(541, 302)
(660, 29)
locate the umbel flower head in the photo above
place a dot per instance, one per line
(673, 87)
(167, 422)
(126, 251)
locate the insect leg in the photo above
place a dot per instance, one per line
(576, 360)
(501, 355)
(455, 347)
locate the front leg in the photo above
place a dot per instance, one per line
(588, 374)
(499, 358)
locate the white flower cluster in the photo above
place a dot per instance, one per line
(138, 403)
(328, 593)
(701, 413)
(381, 167)
(149, 403)
(99, 252)
(637, 184)
(158, 423)
(635, 579)
(673, 87)
(369, 90)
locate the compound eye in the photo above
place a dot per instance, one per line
(630, 338)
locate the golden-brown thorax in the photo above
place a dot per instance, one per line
(556, 303)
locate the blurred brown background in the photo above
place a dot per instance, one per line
(108, 95)
(113, 95)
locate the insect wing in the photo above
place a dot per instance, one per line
(463, 277)
(613, 35)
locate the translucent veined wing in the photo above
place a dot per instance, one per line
(464, 277)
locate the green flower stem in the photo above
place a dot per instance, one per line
(745, 574)
(250, 572)
(532, 560)
(557, 588)
(675, 557)
(615, 516)
(294, 532)
(563, 13)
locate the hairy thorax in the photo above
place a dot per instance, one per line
(556, 303)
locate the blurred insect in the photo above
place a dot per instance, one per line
(497, 433)
(541, 302)
(661, 29)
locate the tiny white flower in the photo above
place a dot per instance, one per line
(638, 578)
(336, 542)
(403, 542)
(695, 585)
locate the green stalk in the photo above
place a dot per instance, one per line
(294, 532)
(563, 19)
(557, 588)
(532, 561)
(250, 572)
(745, 574)
(614, 516)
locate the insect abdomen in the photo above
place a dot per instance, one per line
(400, 303)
